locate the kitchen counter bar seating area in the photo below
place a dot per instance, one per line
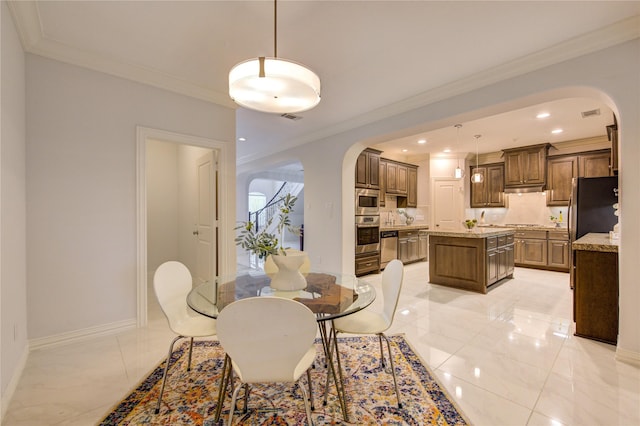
(471, 260)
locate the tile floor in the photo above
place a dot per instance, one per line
(507, 358)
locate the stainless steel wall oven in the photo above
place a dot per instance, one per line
(367, 234)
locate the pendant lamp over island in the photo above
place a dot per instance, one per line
(477, 176)
(458, 172)
(274, 85)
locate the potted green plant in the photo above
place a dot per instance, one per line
(264, 243)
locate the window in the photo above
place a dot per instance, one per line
(257, 200)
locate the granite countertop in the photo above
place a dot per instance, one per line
(411, 227)
(596, 242)
(529, 228)
(482, 232)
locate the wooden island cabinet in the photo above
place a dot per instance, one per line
(471, 260)
(595, 293)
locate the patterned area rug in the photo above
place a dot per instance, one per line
(190, 397)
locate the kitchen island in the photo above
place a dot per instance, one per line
(471, 260)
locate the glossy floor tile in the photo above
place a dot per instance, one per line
(507, 358)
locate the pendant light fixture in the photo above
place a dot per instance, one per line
(477, 176)
(272, 84)
(459, 172)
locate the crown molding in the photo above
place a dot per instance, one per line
(28, 23)
(27, 20)
(617, 33)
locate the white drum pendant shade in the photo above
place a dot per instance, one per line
(283, 87)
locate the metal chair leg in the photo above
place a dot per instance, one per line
(305, 398)
(382, 363)
(166, 370)
(224, 382)
(190, 351)
(233, 402)
(310, 389)
(393, 369)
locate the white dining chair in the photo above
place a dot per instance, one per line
(368, 321)
(271, 268)
(172, 282)
(269, 340)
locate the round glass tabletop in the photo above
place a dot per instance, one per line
(328, 295)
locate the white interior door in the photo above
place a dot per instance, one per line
(448, 198)
(207, 218)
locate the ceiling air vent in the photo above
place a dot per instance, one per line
(291, 116)
(592, 113)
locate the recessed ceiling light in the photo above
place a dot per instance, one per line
(242, 139)
(405, 150)
(422, 141)
(446, 150)
(543, 115)
(556, 131)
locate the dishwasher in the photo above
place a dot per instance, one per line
(388, 247)
(408, 246)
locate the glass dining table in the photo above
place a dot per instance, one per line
(328, 295)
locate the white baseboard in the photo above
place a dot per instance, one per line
(629, 357)
(82, 335)
(7, 395)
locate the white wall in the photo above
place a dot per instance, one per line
(81, 188)
(13, 292)
(611, 75)
(162, 203)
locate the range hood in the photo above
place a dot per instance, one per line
(523, 189)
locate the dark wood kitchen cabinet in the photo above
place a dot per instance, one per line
(382, 180)
(470, 261)
(500, 258)
(562, 169)
(526, 166)
(368, 169)
(412, 187)
(558, 250)
(397, 175)
(594, 164)
(401, 180)
(595, 295)
(367, 264)
(530, 248)
(489, 192)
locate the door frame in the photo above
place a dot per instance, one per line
(225, 191)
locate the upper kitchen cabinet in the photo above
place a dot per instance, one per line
(382, 179)
(368, 169)
(412, 190)
(562, 169)
(526, 166)
(595, 164)
(489, 192)
(399, 179)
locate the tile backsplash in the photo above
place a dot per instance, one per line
(389, 213)
(528, 208)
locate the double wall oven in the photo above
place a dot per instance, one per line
(367, 228)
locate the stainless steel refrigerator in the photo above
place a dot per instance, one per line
(591, 207)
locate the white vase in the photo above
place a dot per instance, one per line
(288, 277)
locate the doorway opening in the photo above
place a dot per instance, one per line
(179, 217)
